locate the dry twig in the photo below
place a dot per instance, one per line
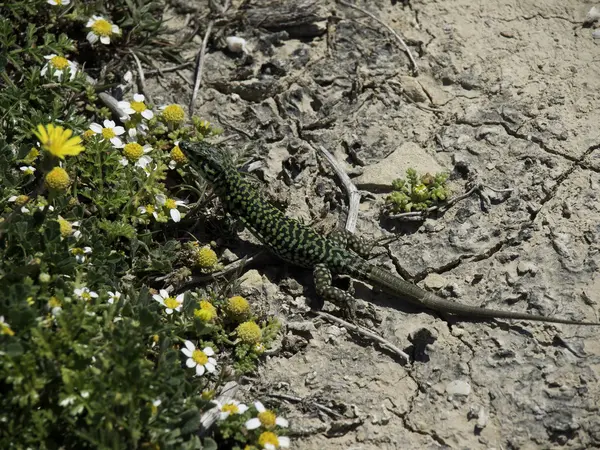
(142, 78)
(364, 332)
(200, 67)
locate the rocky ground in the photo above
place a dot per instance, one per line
(507, 92)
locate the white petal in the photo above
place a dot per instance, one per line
(123, 104)
(178, 308)
(284, 441)
(163, 293)
(212, 361)
(44, 70)
(242, 408)
(109, 124)
(199, 370)
(138, 98)
(180, 297)
(190, 345)
(147, 114)
(224, 415)
(123, 161)
(190, 363)
(209, 367)
(89, 23)
(208, 351)
(93, 294)
(115, 29)
(143, 161)
(160, 199)
(128, 76)
(132, 132)
(96, 127)
(186, 352)
(253, 423)
(158, 298)
(92, 37)
(105, 40)
(260, 407)
(175, 215)
(116, 142)
(269, 447)
(169, 311)
(282, 422)
(118, 130)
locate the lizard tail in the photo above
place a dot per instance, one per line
(416, 295)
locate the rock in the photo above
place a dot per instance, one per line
(379, 176)
(458, 387)
(435, 282)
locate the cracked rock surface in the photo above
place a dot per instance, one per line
(506, 90)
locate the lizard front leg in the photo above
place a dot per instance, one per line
(359, 245)
(337, 296)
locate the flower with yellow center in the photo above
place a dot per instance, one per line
(113, 297)
(265, 418)
(249, 332)
(58, 141)
(170, 303)
(27, 170)
(102, 29)
(232, 407)
(58, 2)
(135, 153)
(173, 114)
(137, 106)
(58, 179)
(80, 253)
(172, 205)
(109, 132)
(55, 305)
(270, 441)
(206, 312)
(237, 307)
(57, 65)
(5, 328)
(20, 200)
(149, 210)
(177, 156)
(67, 228)
(206, 257)
(202, 360)
(84, 293)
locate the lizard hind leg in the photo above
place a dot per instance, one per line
(337, 296)
(359, 245)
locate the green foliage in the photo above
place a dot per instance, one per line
(90, 356)
(417, 193)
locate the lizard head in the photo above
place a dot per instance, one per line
(209, 161)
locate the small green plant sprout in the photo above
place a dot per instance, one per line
(417, 193)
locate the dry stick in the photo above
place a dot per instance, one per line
(353, 194)
(293, 398)
(200, 67)
(142, 78)
(364, 332)
(199, 279)
(396, 35)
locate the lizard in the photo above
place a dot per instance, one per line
(299, 244)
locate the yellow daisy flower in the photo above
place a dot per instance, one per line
(58, 141)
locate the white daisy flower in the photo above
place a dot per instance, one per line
(170, 303)
(135, 153)
(137, 106)
(58, 2)
(202, 360)
(266, 418)
(109, 132)
(57, 65)
(113, 297)
(149, 210)
(27, 170)
(171, 205)
(84, 293)
(80, 253)
(270, 441)
(101, 29)
(20, 200)
(69, 400)
(229, 408)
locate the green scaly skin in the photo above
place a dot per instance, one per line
(301, 245)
